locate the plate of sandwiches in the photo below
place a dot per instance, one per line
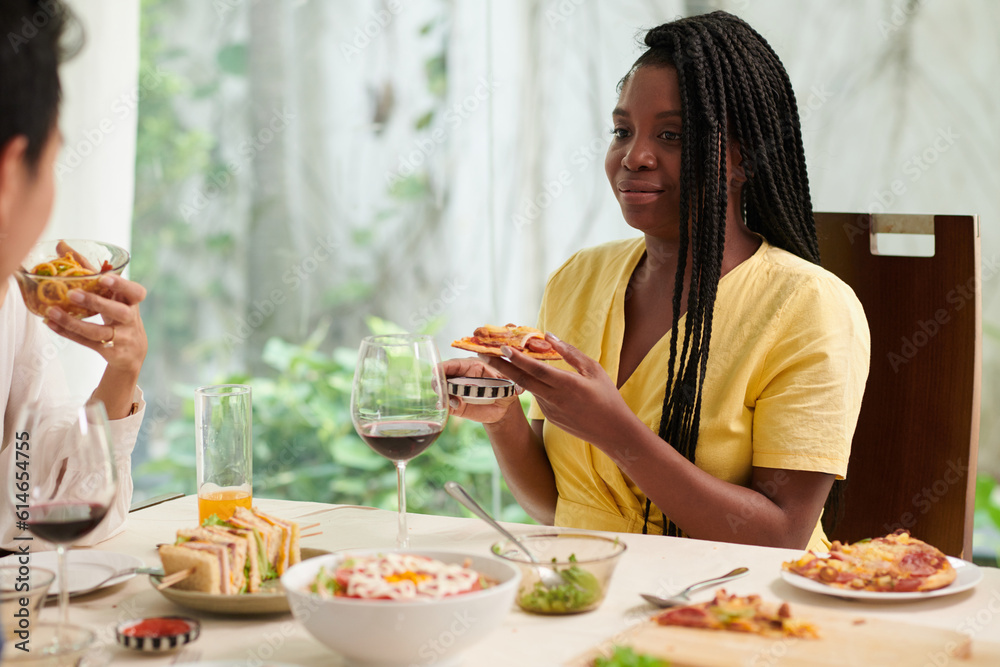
(234, 564)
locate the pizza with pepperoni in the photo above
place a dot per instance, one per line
(490, 338)
(735, 613)
(897, 562)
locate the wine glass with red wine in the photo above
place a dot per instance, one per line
(63, 478)
(399, 403)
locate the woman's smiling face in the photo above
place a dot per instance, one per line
(643, 162)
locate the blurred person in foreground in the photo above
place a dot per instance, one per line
(713, 371)
(30, 54)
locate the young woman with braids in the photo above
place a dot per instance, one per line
(715, 371)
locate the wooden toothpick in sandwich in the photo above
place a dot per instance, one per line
(174, 578)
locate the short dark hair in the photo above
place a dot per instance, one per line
(31, 49)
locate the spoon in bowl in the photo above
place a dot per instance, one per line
(549, 577)
(681, 599)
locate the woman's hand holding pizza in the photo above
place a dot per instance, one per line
(585, 404)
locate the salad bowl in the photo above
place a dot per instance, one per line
(386, 632)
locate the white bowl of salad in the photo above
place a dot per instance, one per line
(400, 607)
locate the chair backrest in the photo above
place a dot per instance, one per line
(913, 461)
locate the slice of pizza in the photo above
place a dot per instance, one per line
(736, 613)
(490, 338)
(897, 562)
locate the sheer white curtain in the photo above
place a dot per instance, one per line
(422, 159)
(96, 170)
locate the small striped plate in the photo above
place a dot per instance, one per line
(162, 633)
(480, 390)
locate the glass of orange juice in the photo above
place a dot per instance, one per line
(224, 449)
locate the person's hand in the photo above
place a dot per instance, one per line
(487, 413)
(585, 404)
(121, 339)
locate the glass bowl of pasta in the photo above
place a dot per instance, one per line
(400, 606)
(55, 267)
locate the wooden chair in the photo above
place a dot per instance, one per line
(913, 462)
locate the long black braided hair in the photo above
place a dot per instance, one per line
(732, 87)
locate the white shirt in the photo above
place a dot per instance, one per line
(30, 370)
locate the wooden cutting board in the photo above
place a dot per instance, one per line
(846, 639)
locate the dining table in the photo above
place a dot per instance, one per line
(651, 563)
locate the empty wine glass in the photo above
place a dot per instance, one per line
(62, 477)
(399, 403)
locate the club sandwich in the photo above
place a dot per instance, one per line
(233, 556)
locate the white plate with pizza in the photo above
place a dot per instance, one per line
(967, 576)
(896, 566)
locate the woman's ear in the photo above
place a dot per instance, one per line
(13, 172)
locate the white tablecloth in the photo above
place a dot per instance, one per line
(651, 563)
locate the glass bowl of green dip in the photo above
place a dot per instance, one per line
(584, 561)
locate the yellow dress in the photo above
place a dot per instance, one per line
(786, 372)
